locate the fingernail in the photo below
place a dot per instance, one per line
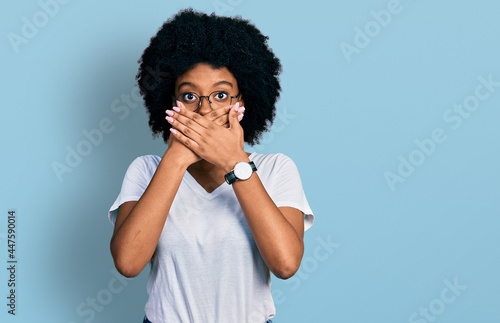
(178, 103)
(176, 109)
(240, 117)
(241, 109)
(236, 106)
(170, 112)
(172, 130)
(169, 119)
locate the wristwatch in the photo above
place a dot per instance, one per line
(242, 171)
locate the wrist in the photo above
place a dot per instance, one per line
(175, 162)
(229, 166)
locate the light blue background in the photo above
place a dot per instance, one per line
(344, 124)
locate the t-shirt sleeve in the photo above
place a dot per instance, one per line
(134, 184)
(288, 190)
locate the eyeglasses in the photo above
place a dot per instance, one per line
(216, 99)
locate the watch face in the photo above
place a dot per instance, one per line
(243, 170)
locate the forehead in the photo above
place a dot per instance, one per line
(204, 76)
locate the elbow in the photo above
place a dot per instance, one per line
(127, 270)
(122, 263)
(285, 274)
(289, 264)
(286, 271)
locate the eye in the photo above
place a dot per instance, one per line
(189, 97)
(220, 96)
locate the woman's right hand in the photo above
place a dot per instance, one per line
(220, 116)
(181, 152)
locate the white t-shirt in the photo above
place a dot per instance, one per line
(207, 267)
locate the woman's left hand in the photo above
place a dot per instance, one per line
(216, 144)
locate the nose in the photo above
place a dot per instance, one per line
(204, 107)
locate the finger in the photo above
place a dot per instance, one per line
(188, 142)
(233, 115)
(185, 121)
(185, 125)
(240, 117)
(226, 124)
(197, 118)
(217, 116)
(222, 120)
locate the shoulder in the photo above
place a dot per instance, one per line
(145, 164)
(147, 160)
(270, 166)
(275, 160)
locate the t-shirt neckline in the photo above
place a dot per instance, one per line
(191, 181)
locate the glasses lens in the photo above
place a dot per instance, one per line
(189, 99)
(220, 99)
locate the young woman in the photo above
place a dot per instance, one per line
(212, 219)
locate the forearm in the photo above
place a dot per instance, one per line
(135, 241)
(277, 240)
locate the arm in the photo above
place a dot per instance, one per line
(139, 224)
(278, 232)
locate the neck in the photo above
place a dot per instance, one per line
(202, 166)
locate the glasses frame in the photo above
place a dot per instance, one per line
(208, 98)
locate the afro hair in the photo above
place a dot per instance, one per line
(191, 37)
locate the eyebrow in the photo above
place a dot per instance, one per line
(215, 84)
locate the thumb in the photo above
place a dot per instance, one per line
(233, 115)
